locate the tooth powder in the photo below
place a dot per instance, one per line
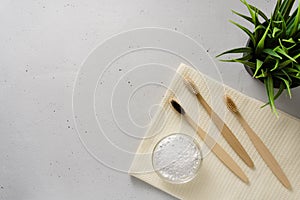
(177, 158)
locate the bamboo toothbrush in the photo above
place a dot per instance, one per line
(212, 144)
(220, 124)
(259, 145)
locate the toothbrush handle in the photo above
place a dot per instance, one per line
(227, 133)
(221, 154)
(264, 152)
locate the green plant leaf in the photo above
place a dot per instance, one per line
(237, 50)
(297, 66)
(297, 77)
(279, 92)
(287, 62)
(243, 16)
(263, 74)
(276, 65)
(284, 64)
(282, 33)
(276, 9)
(245, 62)
(279, 50)
(277, 22)
(291, 70)
(245, 58)
(291, 19)
(274, 31)
(255, 9)
(259, 63)
(260, 13)
(270, 92)
(249, 33)
(289, 48)
(287, 86)
(253, 13)
(261, 43)
(272, 53)
(286, 74)
(296, 21)
(259, 27)
(282, 46)
(286, 7)
(289, 40)
(286, 49)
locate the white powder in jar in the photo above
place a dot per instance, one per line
(176, 158)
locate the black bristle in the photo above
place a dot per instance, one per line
(177, 107)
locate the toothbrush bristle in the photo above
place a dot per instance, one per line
(190, 84)
(230, 104)
(177, 107)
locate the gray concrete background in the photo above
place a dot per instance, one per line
(43, 45)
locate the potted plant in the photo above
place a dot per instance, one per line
(272, 53)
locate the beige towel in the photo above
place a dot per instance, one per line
(214, 180)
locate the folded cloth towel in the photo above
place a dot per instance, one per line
(215, 181)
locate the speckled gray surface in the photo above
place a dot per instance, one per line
(44, 43)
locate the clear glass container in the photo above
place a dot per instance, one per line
(176, 158)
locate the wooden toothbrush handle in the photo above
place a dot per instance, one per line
(265, 153)
(226, 133)
(218, 151)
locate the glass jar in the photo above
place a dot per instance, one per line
(176, 158)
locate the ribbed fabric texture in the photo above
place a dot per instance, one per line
(214, 180)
